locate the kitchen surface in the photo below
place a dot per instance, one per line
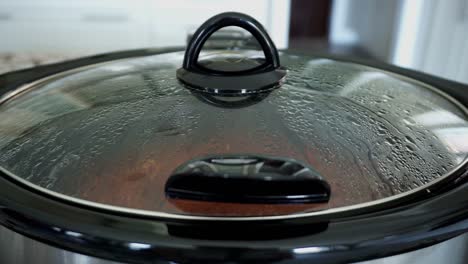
(215, 131)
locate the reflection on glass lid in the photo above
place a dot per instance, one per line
(113, 133)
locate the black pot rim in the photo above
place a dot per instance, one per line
(432, 215)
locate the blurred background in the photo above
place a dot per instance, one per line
(427, 35)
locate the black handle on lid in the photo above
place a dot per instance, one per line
(259, 78)
(231, 19)
(247, 179)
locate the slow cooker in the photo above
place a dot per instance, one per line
(231, 155)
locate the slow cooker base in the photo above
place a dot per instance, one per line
(19, 249)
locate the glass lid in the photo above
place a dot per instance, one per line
(132, 133)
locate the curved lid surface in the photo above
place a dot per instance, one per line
(114, 132)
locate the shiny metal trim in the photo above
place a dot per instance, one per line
(19, 249)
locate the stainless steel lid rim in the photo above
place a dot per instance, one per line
(19, 207)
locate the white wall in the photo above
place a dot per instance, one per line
(426, 35)
(94, 26)
(445, 52)
(368, 24)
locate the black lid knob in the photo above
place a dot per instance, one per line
(261, 78)
(248, 179)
